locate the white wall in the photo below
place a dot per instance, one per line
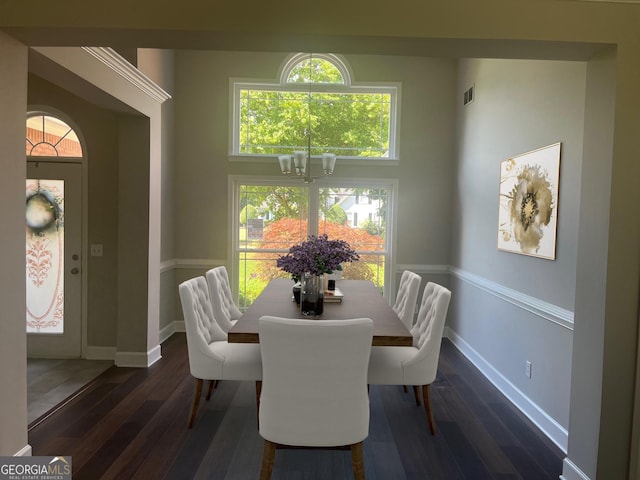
(519, 106)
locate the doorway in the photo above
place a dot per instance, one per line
(54, 259)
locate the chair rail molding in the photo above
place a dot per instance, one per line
(540, 308)
(190, 263)
(427, 269)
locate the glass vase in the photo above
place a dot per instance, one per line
(312, 295)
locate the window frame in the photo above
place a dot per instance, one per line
(236, 85)
(313, 189)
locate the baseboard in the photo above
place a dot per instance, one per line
(138, 359)
(571, 472)
(100, 353)
(552, 429)
(173, 327)
(24, 452)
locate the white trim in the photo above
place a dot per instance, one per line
(425, 269)
(138, 359)
(538, 307)
(194, 263)
(394, 89)
(100, 353)
(173, 327)
(570, 471)
(24, 451)
(122, 67)
(295, 58)
(556, 432)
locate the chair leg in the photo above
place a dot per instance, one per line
(268, 456)
(416, 394)
(426, 399)
(212, 384)
(258, 391)
(357, 461)
(196, 402)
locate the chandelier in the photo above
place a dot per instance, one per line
(301, 159)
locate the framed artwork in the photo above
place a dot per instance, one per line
(528, 206)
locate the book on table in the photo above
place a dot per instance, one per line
(333, 295)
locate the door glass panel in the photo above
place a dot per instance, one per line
(45, 256)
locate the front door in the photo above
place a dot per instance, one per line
(54, 259)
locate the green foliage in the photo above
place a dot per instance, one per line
(337, 215)
(282, 202)
(276, 121)
(248, 212)
(372, 228)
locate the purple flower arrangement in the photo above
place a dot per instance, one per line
(317, 255)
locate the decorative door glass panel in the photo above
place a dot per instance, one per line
(48, 136)
(45, 256)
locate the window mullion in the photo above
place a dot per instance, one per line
(314, 206)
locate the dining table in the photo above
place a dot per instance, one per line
(360, 298)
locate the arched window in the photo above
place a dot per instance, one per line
(49, 136)
(316, 106)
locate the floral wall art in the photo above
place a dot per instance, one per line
(528, 210)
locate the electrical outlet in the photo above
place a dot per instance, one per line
(96, 250)
(527, 369)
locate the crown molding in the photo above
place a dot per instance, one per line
(122, 67)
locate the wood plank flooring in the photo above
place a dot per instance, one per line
(132, 424)
(50, 381)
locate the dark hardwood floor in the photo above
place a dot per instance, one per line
(132, 424)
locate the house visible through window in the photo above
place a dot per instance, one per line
(49, 136)
(271, 217)
(315, 106)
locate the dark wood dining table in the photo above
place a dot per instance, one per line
(361, 299)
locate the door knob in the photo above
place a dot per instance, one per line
(75, 271)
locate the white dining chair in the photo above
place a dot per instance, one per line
(225, 310)
(314, 386)
(211, 356)
(407, 297)
(418, 364)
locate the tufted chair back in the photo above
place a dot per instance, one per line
(200, 325)
(407, 297)
(224, 309)
(427, 332)
(314, 373)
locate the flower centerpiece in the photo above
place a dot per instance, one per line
(317, 256)
(309, 261)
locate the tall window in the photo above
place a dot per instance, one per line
(315, 106)
(271, 216)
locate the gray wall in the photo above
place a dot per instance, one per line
(519, 106)
(13, 339)
(99, 129)
(424, 172)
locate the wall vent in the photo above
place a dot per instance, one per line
(469, 95)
